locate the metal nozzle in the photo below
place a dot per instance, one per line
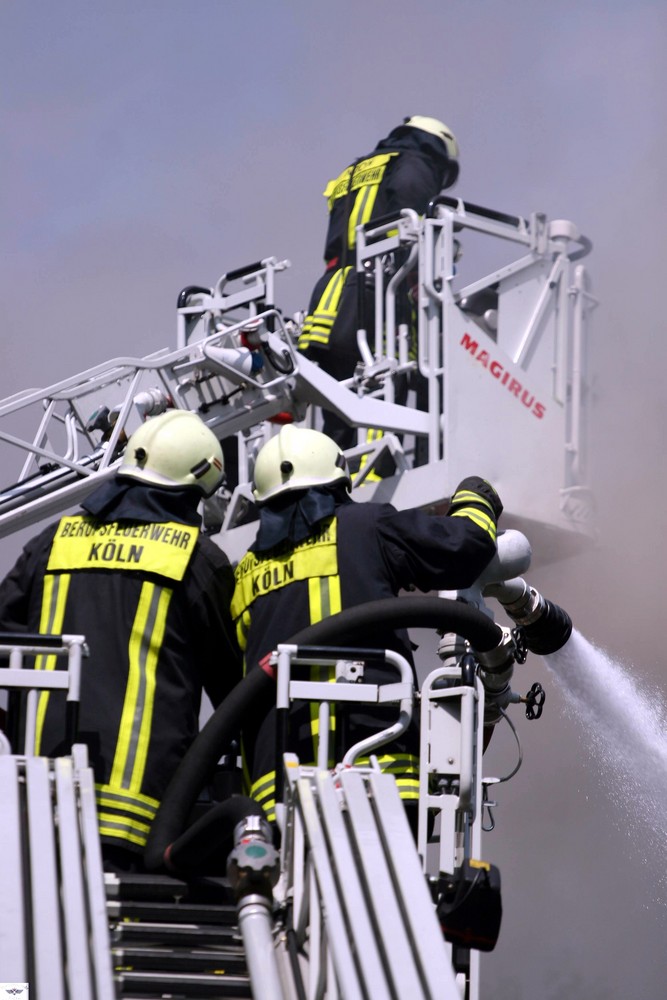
(545, 625)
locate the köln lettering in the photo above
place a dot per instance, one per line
(110, 552)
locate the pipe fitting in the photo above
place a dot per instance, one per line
(545, 625)
(253, 867)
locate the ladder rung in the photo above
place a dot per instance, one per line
(163, 887)
(184, 935)
(215, 961)
(178, 985)
(200, 913)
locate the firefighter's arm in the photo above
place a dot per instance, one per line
(443, 552)
(476, 499)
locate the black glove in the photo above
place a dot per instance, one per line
(484, 489)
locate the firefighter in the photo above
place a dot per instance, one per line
(407, 169)
(133, 573)
(316, 553)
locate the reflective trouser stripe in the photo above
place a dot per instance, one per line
(54, 602)
(318, 324)
(125, 817)
(146, 639)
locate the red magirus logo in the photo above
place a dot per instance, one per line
(505, 377)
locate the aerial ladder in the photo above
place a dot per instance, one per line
(350, 903)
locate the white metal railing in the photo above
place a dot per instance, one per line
(236, 363)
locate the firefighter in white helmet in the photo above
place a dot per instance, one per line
(407, 169)
(317, 553)
(134, 574)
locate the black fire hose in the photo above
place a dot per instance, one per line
(256, 694)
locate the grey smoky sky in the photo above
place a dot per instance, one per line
(149, 145)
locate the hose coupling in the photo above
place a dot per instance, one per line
(253, 866)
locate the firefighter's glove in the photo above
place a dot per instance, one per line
(476, 492)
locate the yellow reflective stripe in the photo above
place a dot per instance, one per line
(372, 434)
(123, 829)
(125, 817)
(484, 522)
(407, 793)
(339, 187)
(143, 651)
(324, 600)
(392, 762)
(242, 629)
(324, 597)
(256, 575)
(317, 325)
(368, 171)
(361, 212)
(114, 797)
(467, 496)
(81, 542)
(54, 602)
(263, 791)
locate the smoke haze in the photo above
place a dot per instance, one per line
(154, 145)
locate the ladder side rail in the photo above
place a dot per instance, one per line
(73, 886)
(99, 936)
(51, 504)
(105, 373)
(48, 946)
(426, 937)
(338, 937)
(74, 466)
(389, 916)
(353, 891)
(14, 912)
(103, 456)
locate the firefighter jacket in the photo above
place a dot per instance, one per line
(364, 552)
(152, 600)
(404, 171)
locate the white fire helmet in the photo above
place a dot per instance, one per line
(174, 450)
(295, 459)
(438, 128)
